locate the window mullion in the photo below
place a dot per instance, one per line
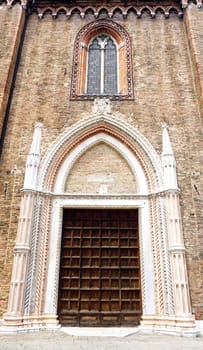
(102, 70)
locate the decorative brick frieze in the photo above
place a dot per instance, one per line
(82, 8)
(109, 11)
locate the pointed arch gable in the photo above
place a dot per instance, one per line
(91, 142)
(113, 131)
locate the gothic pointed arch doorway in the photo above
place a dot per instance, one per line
(100, 277)
(144, 186)
(104, 210)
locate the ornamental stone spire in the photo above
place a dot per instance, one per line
(33, 159)
(168, 162)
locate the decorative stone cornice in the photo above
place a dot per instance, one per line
(70, 196)
(55, 8)
(100, 9)
(110, 10)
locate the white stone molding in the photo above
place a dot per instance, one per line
(161, 259)
(38, 256)
(43, 252)
(34, 252)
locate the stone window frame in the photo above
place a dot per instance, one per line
(80, 57)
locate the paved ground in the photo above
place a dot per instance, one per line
(58, 340)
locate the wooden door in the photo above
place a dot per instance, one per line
(100, 268)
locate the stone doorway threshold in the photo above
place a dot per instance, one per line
(100, 331)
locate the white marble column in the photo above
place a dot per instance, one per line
(15, 311)
(175, 236)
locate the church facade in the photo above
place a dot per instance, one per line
(101, 220)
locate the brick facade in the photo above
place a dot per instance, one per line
(11, 25)
(167, 70)
(91, 172)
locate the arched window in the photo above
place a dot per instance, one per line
(102, 62)
(102, 66)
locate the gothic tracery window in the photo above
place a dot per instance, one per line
(102, 62)
(102, 66)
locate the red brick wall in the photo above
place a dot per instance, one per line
(11, 24)
(193, 20)
(194, 27)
